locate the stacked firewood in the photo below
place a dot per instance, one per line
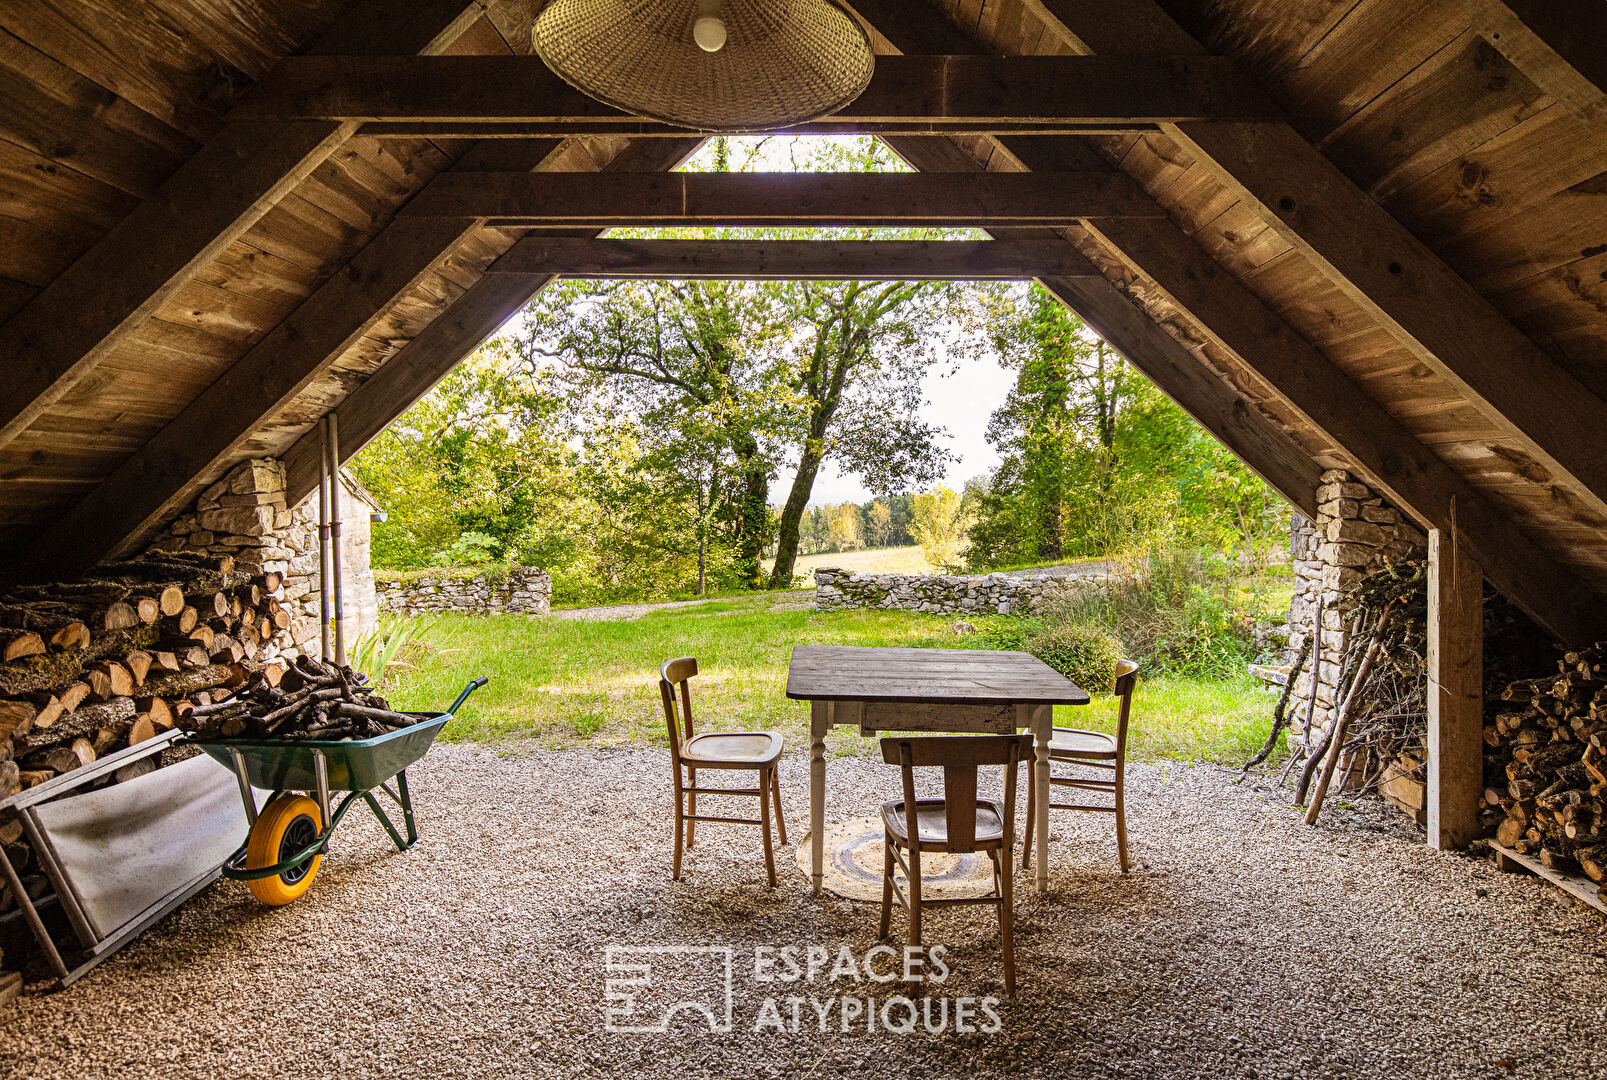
(91, 667)
(1547, 766)
(308, 700)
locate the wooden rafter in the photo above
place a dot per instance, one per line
(1377, 263)
(1561, 45)
(410, 374)
(955, 90)
(781, 199)
(213, 198)
(1331, 403)
(164, 474)
(910, 260)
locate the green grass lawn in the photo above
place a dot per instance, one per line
(569, 682)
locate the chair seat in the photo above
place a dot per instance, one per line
(1073, 743)
(931, 820)
(732, 749)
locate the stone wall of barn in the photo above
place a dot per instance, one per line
(1355, 532)
(247, 515)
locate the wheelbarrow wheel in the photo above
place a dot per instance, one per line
(285, 826)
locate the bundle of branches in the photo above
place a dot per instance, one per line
(1548, 768)
(1380, 684)
(310, 699)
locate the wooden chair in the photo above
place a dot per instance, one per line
(958, 822)
(1093, 750)
(759, 750)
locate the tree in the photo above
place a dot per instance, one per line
(937, 525)
(1094, 458)
(879, 524)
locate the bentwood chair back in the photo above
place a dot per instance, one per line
(958, 823)
(1105, 755)
(720, 750)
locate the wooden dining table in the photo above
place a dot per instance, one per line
(982, 691)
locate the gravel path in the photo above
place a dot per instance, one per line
(1242, 945)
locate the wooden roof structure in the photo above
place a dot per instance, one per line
(1365, 234)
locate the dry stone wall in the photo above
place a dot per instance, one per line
(975, 594)
(1354, 533)
(525, 590)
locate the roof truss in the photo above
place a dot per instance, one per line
(680, 200)
(907, 260)
(213, 198)
(944, 92)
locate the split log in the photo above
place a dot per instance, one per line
(16, 644)
(73, 695)
(158, 710)
(135, 769)
(171, 600)
(16, 717)
(50, 709)
(140, 730)
(35, 777)
(138, 664)
(115, 714)
(119, 616)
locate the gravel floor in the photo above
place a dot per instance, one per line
(1243, 945)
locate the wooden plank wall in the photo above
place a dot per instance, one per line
(1506, 185)
(105, 99)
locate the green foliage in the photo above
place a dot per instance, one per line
(937, 525)
(1096, 461)
(469, 549)
(1171, 608)
(391, 646)
(1085, 654)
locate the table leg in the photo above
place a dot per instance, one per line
(819, 722)
(1043, 722)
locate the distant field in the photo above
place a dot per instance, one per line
(900, 560)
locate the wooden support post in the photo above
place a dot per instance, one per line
(1455, 693)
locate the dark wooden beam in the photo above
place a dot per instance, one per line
(649, 129)
(960, 89)
(213, 198)
(781, 199)
(1561, 45)
(1327, 399)
(928, 260)
(1378, 263)
(159, 479)
(1455, 667)
(410, 374)
(1412, 475)
(1167, 362)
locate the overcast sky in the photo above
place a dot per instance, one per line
(961, 402)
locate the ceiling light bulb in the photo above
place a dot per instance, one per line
(709, 33)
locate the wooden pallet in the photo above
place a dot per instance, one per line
(1577, 886)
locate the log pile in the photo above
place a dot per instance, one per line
(309, 699)
(1546, 766)
(91, 667)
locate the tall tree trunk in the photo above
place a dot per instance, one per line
(753, 509)
(792, 514)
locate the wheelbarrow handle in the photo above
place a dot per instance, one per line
(467, 690)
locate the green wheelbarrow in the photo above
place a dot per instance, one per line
(287, 838)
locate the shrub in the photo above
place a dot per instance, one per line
(1170, 610)
(1086, 655)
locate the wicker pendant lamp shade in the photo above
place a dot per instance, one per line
(781, 62)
